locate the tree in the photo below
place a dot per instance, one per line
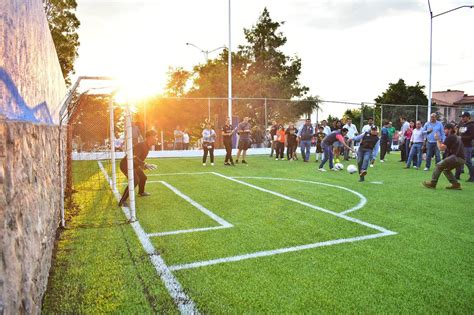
(63, 25)
(177, 81)
(400, 93)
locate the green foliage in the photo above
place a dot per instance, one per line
(400, 93)
(63, 25)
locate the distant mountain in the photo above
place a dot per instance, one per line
(14, 107)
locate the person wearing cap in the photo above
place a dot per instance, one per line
(454, 158)
(432, 128)
(140, 152)
(466, 132)
(367, 145)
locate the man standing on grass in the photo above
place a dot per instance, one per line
(433, 127)
(140, 152)
(227, 139)
(416, 144)
(351, 133)
(466, 132)
(327, 129)
(273, 131)
(454, 159)
(305, 134)
(178, 139)
(368, 127)
(401, 140)
(368, 142)
(244, 140)
(328, 141)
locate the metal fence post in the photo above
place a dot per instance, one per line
(112, 142)
(381, 117)
(266, 115)
(130, 171)
(361, 115)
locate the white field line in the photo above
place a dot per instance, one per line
(339, 215)
(180, 298)
(274, 252)
(172, 174)
(362, 198)
(384, 232)
(223, 223)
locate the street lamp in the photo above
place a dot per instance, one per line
(205, 52)
(431, 46)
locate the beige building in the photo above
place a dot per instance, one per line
(452, 103)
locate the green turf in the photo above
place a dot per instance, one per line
(425, 268)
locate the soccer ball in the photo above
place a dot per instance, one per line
(339, 166)
(352, 169)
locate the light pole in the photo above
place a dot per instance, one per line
(229, 71)
(431, 47)
(205, 52)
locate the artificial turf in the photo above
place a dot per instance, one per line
(427, 267)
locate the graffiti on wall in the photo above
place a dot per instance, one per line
(14, 107)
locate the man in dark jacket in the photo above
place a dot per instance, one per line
(454, 152)
(466, 132)
(140, 152)
(368, 142)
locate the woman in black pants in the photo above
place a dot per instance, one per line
(384, 139)
(208, 140)
(227, 138)
(291, 136)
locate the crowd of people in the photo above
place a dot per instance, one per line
(450, 145)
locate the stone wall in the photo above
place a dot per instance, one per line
(29, 210)
(31, 82)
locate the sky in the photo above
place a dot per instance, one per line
(350, 50)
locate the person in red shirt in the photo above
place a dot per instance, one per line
(280, 145)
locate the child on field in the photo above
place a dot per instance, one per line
(319, 139)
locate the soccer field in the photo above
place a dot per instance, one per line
(274, 237)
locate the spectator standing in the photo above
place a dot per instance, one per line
(243, 129)
(280, 145)
(391, 132)
(185, 139)
(291, 142)
(466, 132)
(227, 132)
(327, 129)
(368, 127)
(433, 127)
(208, 140)
(305, 134)
(384, 141)
(273, 131)
(407, 136)
(337, 146)
(401, 139)
(454, 152)
(319, 140)
(257, 136)
(351, 133)
(178, 138)
(416, 142)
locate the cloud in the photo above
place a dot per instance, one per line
(109, 8)
(348, 13)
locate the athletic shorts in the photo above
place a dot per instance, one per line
(244, 144)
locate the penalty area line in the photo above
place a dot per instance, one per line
(180, 298)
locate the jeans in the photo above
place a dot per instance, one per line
(375, 151)
(432, 149)
(415, 149)
(363, 159)
(445, 166)
(328, 155)
(468, 155)
(280, 148)
(208, 148)
(228, 151)
(305, 149)
(383, 148)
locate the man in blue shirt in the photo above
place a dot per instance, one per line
(305, 134)
(432, 128)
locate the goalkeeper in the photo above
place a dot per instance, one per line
(140, 152)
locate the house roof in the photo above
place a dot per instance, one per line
(468, 99)
(439, 102)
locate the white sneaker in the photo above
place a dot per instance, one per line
(321, 170)
(203, 164)
(426, 169)
(212, 164)
(371, 165)
(276, 159)
(334, 169)
(415, 167)
(382, 161)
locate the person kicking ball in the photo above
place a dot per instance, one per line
(369, 141)
(140, 152)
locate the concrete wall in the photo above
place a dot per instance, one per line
(31, 89)
(31, 82)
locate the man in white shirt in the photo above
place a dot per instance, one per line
(401, 139)
(416, 142)
(351, 133)
(326, 128)
(368, 127)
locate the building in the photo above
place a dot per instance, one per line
(451, 103)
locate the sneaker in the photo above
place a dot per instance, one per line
(144, 194)
(321, 170)
(361, 179)
(212, 164)
(454, 186)
(429, 184)
(363, 173)
(371, 165)
(232, 163)
(382, 161)
(203, 164)
(415, 167)
(226, 164)
(334, 169)
(244, 162)
(236, 161)
(426, 169)
(276, 159)
(407, 167)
